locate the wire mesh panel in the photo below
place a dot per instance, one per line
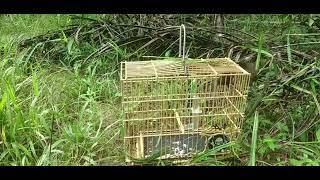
(172, 113)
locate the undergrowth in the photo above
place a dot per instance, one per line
(60, 102)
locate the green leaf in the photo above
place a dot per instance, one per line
(289, 50)
(270, 100)
(318, 135)
(32, 51)
(35, 84)
(3, 154)
(3, 100)
(313, 86)
(31, 145)
(310, 22)
(11, 92)
(3, 136)
(69, 46)
(262, 51)
(260, 43)
(252, 161)
(315, 81)
(55, 144)
(295, 162)
(193, 87)
(89, 160)
(25, 150)
(282, 127)
(65, 39)
(300, 89)
(270, 142)
(167, 54)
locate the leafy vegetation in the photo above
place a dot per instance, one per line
(60, 95)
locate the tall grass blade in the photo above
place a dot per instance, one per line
(11, 93)
(289, 50)
(35, 84)
(32, 51)
(252, 161)
(261, 38)
(3, 100)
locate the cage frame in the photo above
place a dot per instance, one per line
(154, 76)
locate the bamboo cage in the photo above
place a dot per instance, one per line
(176, 114)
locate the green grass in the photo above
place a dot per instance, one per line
(53, 115)
(60, 105)
(25, 26)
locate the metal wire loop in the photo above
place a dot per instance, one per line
(182, 47)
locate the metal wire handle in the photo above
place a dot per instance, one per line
(182, 47)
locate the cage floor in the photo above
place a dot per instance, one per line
(174, 146)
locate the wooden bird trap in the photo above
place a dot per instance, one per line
(175, 108)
